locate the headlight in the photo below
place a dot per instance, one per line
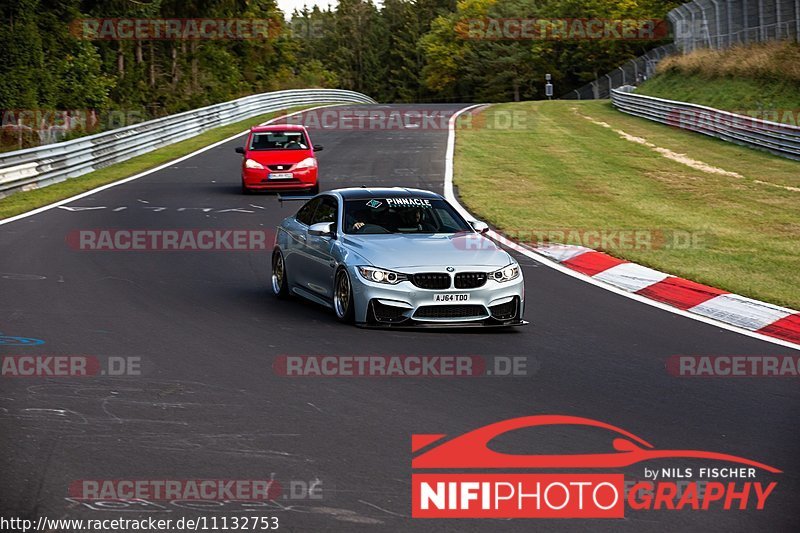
(308, 162)
(506, 273)
(379, 275)
(250, 163)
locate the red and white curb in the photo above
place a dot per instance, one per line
(753, 318)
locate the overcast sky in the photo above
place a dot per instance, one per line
(287, 6)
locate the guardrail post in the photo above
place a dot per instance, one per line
(672, 16)
(705, 29)
(797, 20)
(698, 29)
(717, 21)
(687, 30)
(729, 10)
(745, 22)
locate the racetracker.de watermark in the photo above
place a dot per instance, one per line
(69, 366)
(170, 240)
(404, 366)
(606, 239)
(67, 120)
(410, 118)
(743, 119)
(175, 29)
(733, 366)
(561, 29)
(176, 489)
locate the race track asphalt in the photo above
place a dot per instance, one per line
(210, 406)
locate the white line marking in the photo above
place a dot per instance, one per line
(78, 208)
(681, 158)
(450, 196)
(152, 170)
(787, 187)
(382, 509)
(669, 154)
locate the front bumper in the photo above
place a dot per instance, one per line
(414, 324)
(258, 179)
(406, 305)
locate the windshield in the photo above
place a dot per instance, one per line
(279, 140)
(402, 215)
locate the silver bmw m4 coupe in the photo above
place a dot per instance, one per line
(396, 257)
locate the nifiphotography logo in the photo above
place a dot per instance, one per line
(514, 489)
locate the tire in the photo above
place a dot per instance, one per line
(315, 189)
(245, 190)
(343, 297)
(280, 287)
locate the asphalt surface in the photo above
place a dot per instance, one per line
(210, 406)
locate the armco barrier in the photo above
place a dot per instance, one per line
(44, 165)
(780, 139)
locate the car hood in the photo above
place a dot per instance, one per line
(276, 157)
(437, 250)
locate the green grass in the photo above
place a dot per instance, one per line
(760, 80)
(25, 201)
(747, 96)
(558, 170)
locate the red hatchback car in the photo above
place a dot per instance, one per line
(279, 157)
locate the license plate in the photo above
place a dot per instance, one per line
(450, 298)
(280, 175)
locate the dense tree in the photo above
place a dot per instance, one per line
(22, 69)
(462, 64)
(406, 50)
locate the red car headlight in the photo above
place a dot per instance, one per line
(308, 162)
(251, 163)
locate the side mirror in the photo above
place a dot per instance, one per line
(240, 150)
(321, 229)
(480, 227)
(317, 147)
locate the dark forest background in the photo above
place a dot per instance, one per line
(402, 51)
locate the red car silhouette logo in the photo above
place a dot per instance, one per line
(471, 450)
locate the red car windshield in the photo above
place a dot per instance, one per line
(278, 140)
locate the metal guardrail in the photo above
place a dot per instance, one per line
(40, 166)
(780, 139)
(634, 71)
